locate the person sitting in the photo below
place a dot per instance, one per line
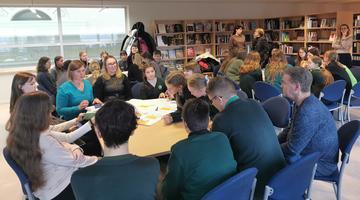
(312, 128)
(153, 87)
(95, 71)
(44, 78)
(160, 70)
(250, 72)
(249, 129)
(321, 76)
(119, 174)
(101, 62)
(112, 83)
(176, 87)
(84, 59)
(123, 61)
(191, 68)
(191, 177)
(135, 69)
(301, 57)
(22, 83)
(230, 67)
(76, 94)
(47, 160)
(197, 86)
(275, 68)
(58, 72)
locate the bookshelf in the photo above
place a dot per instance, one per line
(182, 40)
(356, 40)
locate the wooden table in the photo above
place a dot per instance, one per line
(156, 140)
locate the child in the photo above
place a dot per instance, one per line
(191, 68)
(160, 70)
(153, 87)
(122, 62)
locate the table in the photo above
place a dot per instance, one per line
(156, 140)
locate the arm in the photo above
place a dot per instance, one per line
(63, 126)
(127, 88)
(233, 70)
(72, 136)
(174, 179)
(60, 153)
(99, 89)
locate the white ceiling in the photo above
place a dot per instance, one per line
(247, 1)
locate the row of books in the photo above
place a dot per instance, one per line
(173, 65)
(202, 38)
(194, 51)
(356, 47)
(287, 49)
(172, 54)
(313, 22)
(287, 24)
(170, 28)
(220, 50)
(199, 27)
(357, 21)
(221, 26)
(271, 24)
(314, 36)
(356, 34)
(222, 38)
(172, 40)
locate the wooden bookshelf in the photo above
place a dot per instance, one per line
(356, 40)
(195, 37)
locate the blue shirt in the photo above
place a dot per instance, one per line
(69, 97)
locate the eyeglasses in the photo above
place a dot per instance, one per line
(212, 99)
(111, 64)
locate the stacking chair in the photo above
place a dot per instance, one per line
(353, 101)
(278, 108)
(239, 187)
(263, 91)
(333, 96)
(136, 90)
(25, 184)
(348, 134)
(294, 181)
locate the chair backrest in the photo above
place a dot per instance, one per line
(294, 180)
(240, 186)
(278, 108)
(348, 134)
(333, 92)
(263, 91)
(136, 90)
(355, 91)
(25, 184)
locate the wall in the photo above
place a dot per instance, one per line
(147, 12)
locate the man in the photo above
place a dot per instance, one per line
(312, 127)
(200, 162)
(119, 175)
(160, 70)
(249, 129)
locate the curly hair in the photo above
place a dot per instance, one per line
(251, 63)
(277, 64)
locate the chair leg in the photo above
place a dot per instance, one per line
(337, 191)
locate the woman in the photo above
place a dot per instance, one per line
(230, 67)
(103, 56)
(176, 87)
(275, 68)
(84, 60)
(261, 45)
(343, 45)
(250, 72)
(44, 79)
(237, 40)
(197, 86)
(301, 57)
(22, 83)
(47, 160)
(58, 72)
(95, 69)
(153, 87)
(135, 70)
(112, 83)
(321, 77)
(76, 94)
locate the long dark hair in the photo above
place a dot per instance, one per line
(30, 117)
(57, 58)
(236, 28)
(41, 66)
(18, 81)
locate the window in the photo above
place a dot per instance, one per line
(26, 34)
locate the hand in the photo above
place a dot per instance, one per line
(97, 101)
(80, 117)
(162, 95)
(83, 104)
(77, 154)
(73, 128)
(167, 119)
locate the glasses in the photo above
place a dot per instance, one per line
(111, 64)
(212, 99)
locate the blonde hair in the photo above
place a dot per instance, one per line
(176, 78)
(260, 31)
(197, 81)
(251, 62)
(94, 68)
(277, 64)
(118, 73)
(138, 60)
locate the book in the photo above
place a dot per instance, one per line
(179, 53)
(332, 36)
(207, 27)
(159, 40)
(161, 28)
(190, 52)
(199, 27)
(164, 55)
(172, 54)
(178, 28)
(190, 27)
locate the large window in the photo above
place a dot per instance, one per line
(26, 34)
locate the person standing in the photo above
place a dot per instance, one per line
(237, 40)
(343, 45)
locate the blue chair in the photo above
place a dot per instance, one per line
(239, 187)
(25, 184)
(278, 108)
(136, 90)
(294, 181)
(353, 101)
(263, 91)
(333, 96)
(348, 134)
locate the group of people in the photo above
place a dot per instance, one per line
(241, 130)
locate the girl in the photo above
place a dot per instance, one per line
(46, 159)
(301, 58)
(275, 68)
(153, 87)
(343, 45)
(44, 79)
(250, 72)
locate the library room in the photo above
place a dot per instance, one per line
(179, 99)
